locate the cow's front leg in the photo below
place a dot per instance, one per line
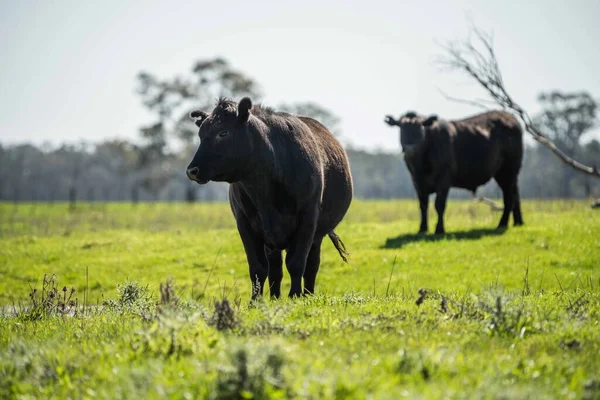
(255, 254)
(441, 197)
(275, 271)
(297, 253)
(269, 233)
(423, 204)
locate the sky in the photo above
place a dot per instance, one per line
(68, 68)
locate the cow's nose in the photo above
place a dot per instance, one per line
(191, 172)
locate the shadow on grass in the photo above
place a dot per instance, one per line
(473, 234)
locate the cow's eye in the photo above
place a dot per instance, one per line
(223, 134)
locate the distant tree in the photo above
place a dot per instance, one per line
(75, 160)
(20, 164)
(4, 154)
(154, 162)
(171, 100)
(315, 111)
(379, 175)
(591, 155)
(121, 158)
(565, 118)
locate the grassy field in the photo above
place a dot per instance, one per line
(475, 313)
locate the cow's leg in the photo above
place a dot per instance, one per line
(275, 271)
(506, 183)
(517, 217)
(441, 197)
(312, 266)
(255, 254)
(297, 253)
(423, 204)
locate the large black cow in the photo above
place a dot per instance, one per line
(464, 153)
(290, 187)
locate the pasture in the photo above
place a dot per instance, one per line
(475, 313)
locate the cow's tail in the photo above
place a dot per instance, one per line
(339, 245)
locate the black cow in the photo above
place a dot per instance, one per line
(464, 153)
(290, 187)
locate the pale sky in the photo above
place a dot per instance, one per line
(68, 68)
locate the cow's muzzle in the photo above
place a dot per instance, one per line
(409, 149)
(192, 174)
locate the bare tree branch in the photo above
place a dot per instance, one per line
(480, 103)
(491, 203)
(482, 66)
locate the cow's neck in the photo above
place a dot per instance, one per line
(416, 157)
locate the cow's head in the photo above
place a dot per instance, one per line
(412, 130)
(225, 143)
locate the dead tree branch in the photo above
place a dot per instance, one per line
(480, 103)
(477, 59)
(491, 203)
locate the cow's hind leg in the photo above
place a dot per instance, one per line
(518, 218)
(312, 266)
(440, 206)
(507, 183)
(297, 253)
(275, 271)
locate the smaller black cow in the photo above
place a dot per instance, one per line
(290, 187)
(464, 153)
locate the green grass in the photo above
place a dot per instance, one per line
(513, 314)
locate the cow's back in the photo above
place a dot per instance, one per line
(483, 145)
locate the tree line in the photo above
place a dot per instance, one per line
(153, 167)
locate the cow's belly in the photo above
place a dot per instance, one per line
(471, 181)
(281, 232)
(471, 186)
(476, 170)
(278, 232)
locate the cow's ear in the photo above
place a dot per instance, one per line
(243, 111)
(429, 121)
(391, 121)
(198, 116)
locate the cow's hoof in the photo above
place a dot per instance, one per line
(254, 302)
(440, 232)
